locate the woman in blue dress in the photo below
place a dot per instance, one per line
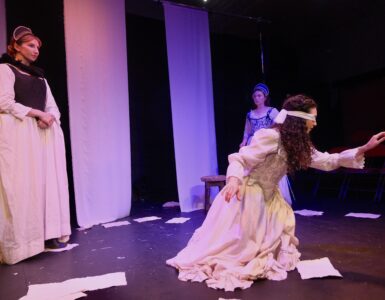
(262, 116)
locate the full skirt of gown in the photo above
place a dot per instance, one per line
(34, 200)
(241, 241)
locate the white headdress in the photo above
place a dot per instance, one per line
(21, 31)
(281, 117)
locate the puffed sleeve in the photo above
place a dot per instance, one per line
(8, 103)
(51, 106)
(327, 162)
(274, 112)
(264, 142)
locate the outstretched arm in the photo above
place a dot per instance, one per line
(352, 158)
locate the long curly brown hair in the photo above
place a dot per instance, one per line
(294, 134)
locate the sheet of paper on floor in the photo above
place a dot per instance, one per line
(308, 213)
(363, 215)
(84, 228)
(115, 224)
(317, 268)
(177, 220)
(60, 290)
(171, 204)
(105, 248)
(146, 219)
(66, 248)
(73, 296)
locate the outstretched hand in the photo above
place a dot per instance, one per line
(374, 141)
(231, 188)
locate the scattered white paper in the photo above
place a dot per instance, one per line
(73, 296)
(177, 220)
(228, 299)
(308, 213)
(74, 287)
(121, 257)
(84, 228)
(317, 268)
(171, 204)
(15, 273)
(66, 248)
(363, 215)
(146, 219)
(115, 224)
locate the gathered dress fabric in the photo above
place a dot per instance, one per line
(34, 198)
(254, 237)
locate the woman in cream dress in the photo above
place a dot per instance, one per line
(249, 232)
(34, 201)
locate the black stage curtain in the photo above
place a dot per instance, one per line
(152, 144)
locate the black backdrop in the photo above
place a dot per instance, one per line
(152, 145)
(235, 69)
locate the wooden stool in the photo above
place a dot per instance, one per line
(214, 180)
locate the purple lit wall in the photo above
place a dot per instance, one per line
(95, 39)
(189, 62)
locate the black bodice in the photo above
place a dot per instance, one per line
(30, 90)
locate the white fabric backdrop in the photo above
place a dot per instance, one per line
(95, 39)
(3, 28)
(189, 63)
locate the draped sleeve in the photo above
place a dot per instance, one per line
(51, 106)
(264, 142)
(327, 162)
(8, 103)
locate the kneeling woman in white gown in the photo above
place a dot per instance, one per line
(249, 232)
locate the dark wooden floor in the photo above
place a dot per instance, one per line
(356, 247)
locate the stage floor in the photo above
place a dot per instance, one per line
(356, 247)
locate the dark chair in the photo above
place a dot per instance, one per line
(330, 180)
(334, 181)
(369, 180)
(380, 186)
